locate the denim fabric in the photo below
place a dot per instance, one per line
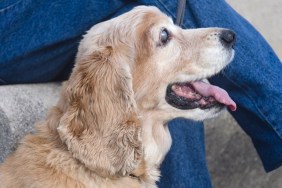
(39, 40)
(185, 165)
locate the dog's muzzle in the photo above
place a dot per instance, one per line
(198, 94)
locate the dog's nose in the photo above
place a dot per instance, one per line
(227, 38)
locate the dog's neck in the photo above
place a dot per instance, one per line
(156, 142)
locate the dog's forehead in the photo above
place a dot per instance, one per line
(163, 18)
(163, 23)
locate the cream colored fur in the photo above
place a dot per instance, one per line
(111, 119)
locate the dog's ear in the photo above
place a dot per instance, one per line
(100, 125)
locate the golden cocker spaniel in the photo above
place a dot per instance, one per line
(132, 75)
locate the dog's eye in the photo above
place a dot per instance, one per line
(164, 36)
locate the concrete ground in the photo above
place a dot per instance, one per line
(232, 159)
(266, 17)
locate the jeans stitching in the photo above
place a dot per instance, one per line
(10, 6)
(2, 81)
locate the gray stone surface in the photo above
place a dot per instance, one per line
(232, 159)
(265, 16)
(20, 107)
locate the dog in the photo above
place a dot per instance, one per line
(132, 75)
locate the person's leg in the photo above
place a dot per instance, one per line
(39, 38)
(185, 165)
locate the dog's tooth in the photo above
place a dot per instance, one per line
(175, 87)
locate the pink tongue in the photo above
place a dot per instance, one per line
(218, 93)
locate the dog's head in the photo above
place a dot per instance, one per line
(135, 64)
(172, 65)
(168, 65)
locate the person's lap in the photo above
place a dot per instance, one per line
(39, 40)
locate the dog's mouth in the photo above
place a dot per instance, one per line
(198, 94)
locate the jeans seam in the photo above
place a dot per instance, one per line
(2, 81)
(10, 6)
(257, 108)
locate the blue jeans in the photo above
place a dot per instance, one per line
(39, 40)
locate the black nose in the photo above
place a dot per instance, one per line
(227, 38)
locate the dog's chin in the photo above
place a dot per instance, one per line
(211, 112)
(196, 114)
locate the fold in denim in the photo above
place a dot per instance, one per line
(39, 40)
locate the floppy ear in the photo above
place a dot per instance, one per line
(100, 126)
